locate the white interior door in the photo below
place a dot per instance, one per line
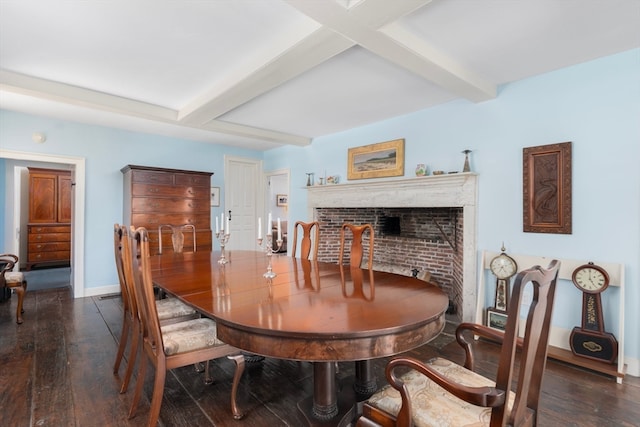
(243, 197)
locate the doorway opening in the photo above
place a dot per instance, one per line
(77, 165)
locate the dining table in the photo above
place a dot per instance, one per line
(312, 311)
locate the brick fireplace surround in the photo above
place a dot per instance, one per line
(425, 224)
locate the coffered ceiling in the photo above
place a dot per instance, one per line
(262, 73)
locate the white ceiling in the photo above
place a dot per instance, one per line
(262, 73)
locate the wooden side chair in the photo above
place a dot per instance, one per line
(357, 251)
(13, 280)
(310, 239)
(177, 236)
(170, 310)
(171, 346)
(440, 392)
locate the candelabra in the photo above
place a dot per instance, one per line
(223, 238)
(270, 250)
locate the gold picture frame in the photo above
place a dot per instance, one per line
(376, 160)
(546, 188)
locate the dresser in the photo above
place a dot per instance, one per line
(158, 196)
(49, 226)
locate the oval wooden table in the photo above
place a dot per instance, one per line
(311, 311)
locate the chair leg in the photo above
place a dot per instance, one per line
(239, 359)
(133, 353)
(20, 290)
(139, 385)
(123, 342)
(158, 391)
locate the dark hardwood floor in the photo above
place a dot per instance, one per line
(56, 370)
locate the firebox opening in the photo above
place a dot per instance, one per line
(391, 226)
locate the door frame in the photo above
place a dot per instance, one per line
(77, 228)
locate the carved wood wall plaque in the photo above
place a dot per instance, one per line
(546, 188)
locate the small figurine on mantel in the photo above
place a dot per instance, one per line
(466, 167)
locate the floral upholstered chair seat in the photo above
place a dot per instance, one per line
(432, 405)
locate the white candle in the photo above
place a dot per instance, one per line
(279, 231)
(222, 221)
(269, 226)
(217, 226)
(228, 230)
(259, 227)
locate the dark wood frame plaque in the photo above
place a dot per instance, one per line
(546, 188)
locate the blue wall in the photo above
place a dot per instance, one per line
(596, 105)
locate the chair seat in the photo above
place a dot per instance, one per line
(173, 308)
(189, 336)
(13, 278)
(433, 406)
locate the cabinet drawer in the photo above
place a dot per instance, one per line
(50, 237)
(152, 177)
(142, 190)
(50, 246)
(38, 229)
(152, 221)
(168, 205)
(49, 256)
(194, 180)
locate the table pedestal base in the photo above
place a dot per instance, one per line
(343, 418)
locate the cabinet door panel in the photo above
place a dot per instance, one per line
(64, 198)
(169, 205)
(42, 198)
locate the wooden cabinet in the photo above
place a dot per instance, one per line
(49, 227)
(156, 196)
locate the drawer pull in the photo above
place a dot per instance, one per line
(38, 246)
(39, 237)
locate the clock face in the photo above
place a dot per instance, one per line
(503, 266)
(590, 279)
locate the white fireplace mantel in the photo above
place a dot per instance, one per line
(451, 190)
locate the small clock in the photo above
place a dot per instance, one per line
(591, 340)
(503, 267)
(590, 278)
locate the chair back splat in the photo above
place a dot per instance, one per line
(310, 239)
(469, 398)
(357, 251)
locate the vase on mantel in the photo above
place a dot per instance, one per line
(421, 169)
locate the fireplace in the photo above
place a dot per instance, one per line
(424, 224)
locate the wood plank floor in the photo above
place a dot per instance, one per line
(56, 370)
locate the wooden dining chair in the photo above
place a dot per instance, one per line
(440, 392)
(310, 239)
(356, 252)
(15, 280)
(170, 310)
(177, 236)
(171, 346)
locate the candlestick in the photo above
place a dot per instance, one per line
(269, 250)
(268, 225)
(259, 227)
(223, 238)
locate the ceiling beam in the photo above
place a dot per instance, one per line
(77, 96)
(399, 47)
(302, 56)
